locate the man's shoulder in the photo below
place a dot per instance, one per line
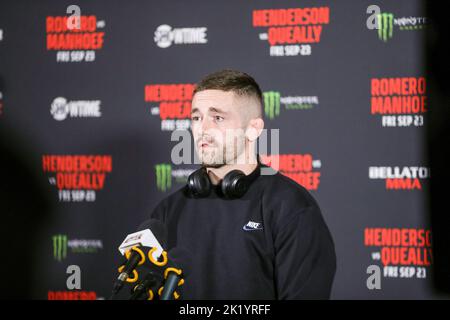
(174, 196)
(281, 188)
(168, 201)
(290, 205)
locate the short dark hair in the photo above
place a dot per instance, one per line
(231, 80)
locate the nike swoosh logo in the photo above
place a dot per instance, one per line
(251, 229)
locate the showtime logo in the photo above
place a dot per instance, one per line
(291, 31)
(173, 104)
(401, 102)
(60, 109)
(77, 177)
(403, 252)
(74, 42)
(273, 102)
(165, 36)
(299, 167)
(400, 178)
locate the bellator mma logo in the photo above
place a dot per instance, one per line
(401, 102)
(75, 38)
(77, 177)
(400, 178)
(298, 167)
(291, 31)
(404, 252)
(174, 107)
(273, 101)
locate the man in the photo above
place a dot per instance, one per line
(250, 236)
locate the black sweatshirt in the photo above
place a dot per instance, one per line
(272, 243)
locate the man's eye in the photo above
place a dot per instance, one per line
(218, 118)
(195, 118)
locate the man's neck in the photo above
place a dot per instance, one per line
(217, 174)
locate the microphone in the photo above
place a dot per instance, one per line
(150, 231)
(143, 290)
(180, 263)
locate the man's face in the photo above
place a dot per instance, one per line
(218, 126)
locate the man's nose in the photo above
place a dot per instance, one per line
(206, 124)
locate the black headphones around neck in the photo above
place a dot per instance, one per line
(234, 185)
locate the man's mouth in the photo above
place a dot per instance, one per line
(204, 145)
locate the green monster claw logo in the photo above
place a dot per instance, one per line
(59, 247)
(271, 104)
(385, 26)
(163, 176)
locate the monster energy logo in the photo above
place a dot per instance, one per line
(163, 176)
(271, 104)
(385, 26)
(59, 247)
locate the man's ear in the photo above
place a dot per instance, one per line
(254, 129)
